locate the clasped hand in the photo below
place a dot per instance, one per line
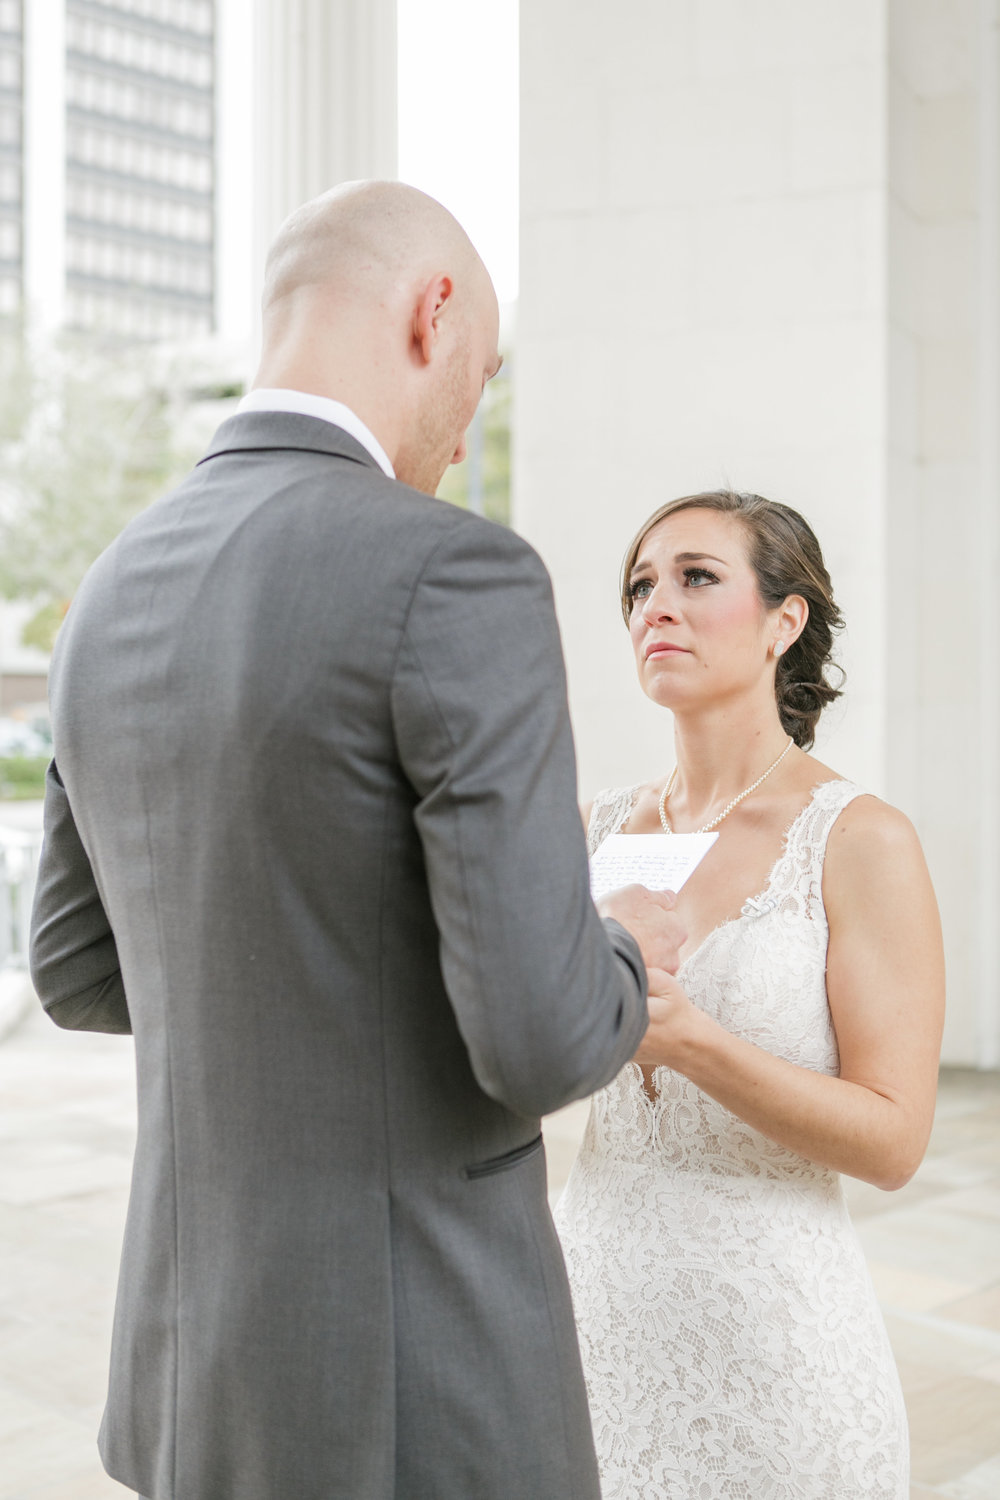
(672, 1022)
(651, 919)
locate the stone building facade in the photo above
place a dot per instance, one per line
(761, 247)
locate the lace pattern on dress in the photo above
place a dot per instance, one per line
(795, 881)
(731, 1339)
(609, 814)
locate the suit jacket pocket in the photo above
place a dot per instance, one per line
(505, 1162)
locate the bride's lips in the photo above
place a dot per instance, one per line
(664, 648)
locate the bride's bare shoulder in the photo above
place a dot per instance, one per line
(868, 820)
(871, 845)
(807, 773)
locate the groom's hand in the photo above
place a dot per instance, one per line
(650, 917)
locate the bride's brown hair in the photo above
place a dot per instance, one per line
(786, 559)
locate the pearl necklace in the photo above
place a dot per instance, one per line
(707, 828)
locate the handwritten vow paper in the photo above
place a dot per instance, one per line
(660, 861)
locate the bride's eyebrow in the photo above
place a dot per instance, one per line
(683, 557)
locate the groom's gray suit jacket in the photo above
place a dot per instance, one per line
(311, 836)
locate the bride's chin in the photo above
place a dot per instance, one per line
(661, 695)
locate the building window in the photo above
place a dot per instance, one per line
(10, 126)
(136, 158)
(134, 49)
(10, 183)
(147, 106)
(134, 318)
(139, 265)
(140, 143)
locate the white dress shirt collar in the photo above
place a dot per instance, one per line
(308, 405)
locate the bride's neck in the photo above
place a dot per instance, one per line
(720, 753)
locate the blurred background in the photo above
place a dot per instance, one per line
(744, 242)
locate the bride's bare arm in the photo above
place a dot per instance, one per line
(885, 982)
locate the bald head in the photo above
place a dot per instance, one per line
(368, 237)
(375, 296)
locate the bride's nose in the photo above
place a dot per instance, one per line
(659, 605)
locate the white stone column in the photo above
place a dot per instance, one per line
(703, 301)
(235, 247)
(45, 163)
(988, 627)
(756, 251)
(942, 486)
(324, 102)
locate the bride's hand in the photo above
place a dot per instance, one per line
(674, 1024)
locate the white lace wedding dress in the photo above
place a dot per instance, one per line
(730, 1335)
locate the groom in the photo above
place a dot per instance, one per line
(311, 837)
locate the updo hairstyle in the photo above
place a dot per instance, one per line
(786, 558)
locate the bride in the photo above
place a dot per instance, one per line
(730, 1335)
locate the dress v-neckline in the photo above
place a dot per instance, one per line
(761, 896)
(760, 899)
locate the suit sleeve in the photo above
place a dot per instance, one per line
(73, 957)
(550, 1000)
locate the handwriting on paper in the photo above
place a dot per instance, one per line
(661, 861)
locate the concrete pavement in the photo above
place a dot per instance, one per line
(67, 1120)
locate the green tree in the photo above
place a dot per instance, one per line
(491, 432)
(88, 438)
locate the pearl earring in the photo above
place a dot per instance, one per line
(779, 646)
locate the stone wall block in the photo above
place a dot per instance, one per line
(837, 116)
(734, 37)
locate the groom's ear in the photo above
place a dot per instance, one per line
(427, 318)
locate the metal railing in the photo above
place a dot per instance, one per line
(19, 851)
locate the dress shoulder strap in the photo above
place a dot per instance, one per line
(798, 877)
(828, 801)
(609, 814)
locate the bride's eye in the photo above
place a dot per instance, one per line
(640, 589)
(698, 577)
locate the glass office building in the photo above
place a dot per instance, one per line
(11, 160)
(140, 175)
(107, 165)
